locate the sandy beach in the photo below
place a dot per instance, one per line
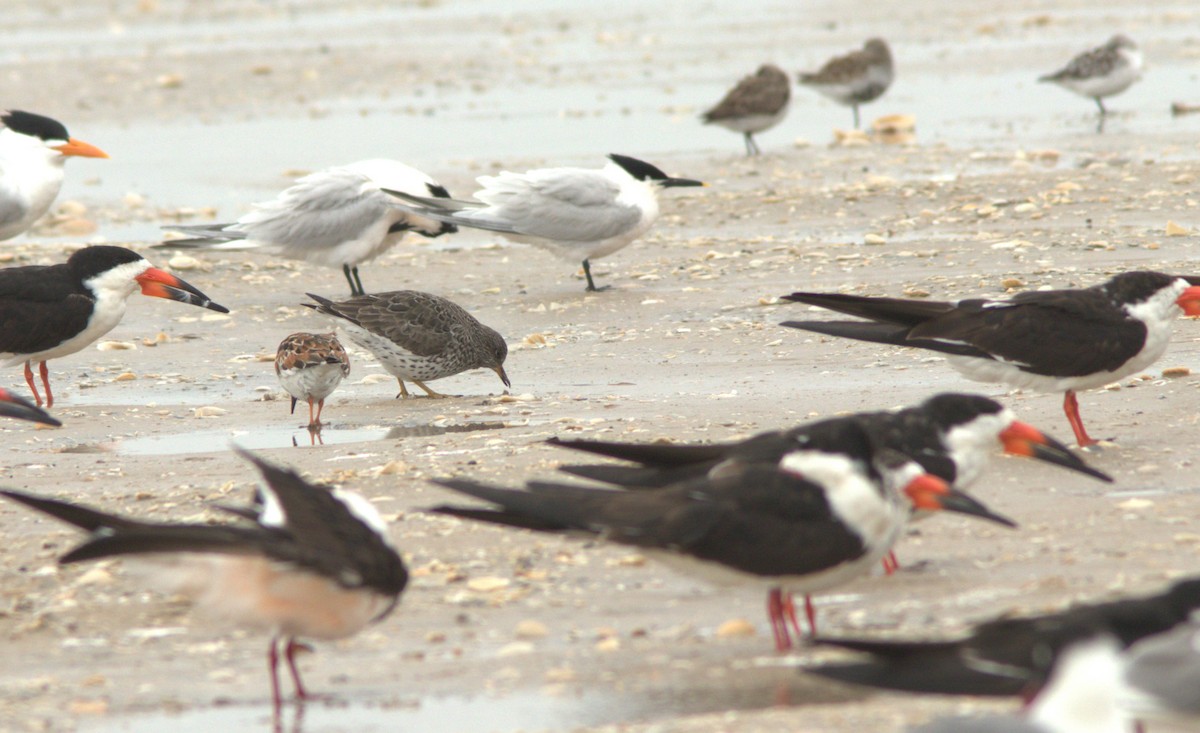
(208, 107)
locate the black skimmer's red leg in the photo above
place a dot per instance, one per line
(1071, 407)
(776, 602)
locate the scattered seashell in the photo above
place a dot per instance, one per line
(209, 411)
(115, 346)
(735, 627)
(530, 629)
(487, 584)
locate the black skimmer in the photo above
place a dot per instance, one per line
(338, 217)
(811, 522)
(1082, 695)
(1008, 656)
(1101, 72)
(20, 408)
(417, 336)
(951, 435)
(1047, 340)
(576, 213)
(52, 311)
(857, 78)
(757, 103)
(311, 563)
(310, 366)
(33, 149)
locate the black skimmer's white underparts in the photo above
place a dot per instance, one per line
(310, 562)
(33, 149)
(417, 336)
(1047, 340)
(809, 522)
(757, 103)
(338, 217)
(576, 213)
(52, 311)
(310, 366)
(1008, 656)
(20, 408)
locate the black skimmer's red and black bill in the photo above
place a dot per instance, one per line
(576, 213)
(310, 366)
(338, 217)
(20, 408)
(951, 435)
(811, 522)
(310, 562)
(1048, 340)
(33, 149)
(55, 310)
(1008, 656)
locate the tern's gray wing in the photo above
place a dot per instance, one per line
(1164, 671)
(561, 204)
(11, 209)
(318, 211)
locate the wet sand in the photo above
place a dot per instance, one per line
(1007, 188)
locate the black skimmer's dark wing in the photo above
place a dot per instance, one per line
(314, 562)
(1054, 340)
(1008, 656)
(52, 311)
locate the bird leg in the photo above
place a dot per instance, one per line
(1100, 104)
(591, 286)
(403, 391)
(45, 372)
(775, 613)
(789, 612)
(752, 148)
(289, 653)
(352, 277)
(1071, 407)
(890, 563)
(273, 666)
(32, 386)
(312, 422)
(432, 395)
(320, 406)
(855, 108)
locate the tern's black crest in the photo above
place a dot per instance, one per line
(1136, 287)
(91, 261)
(37, 126)
(639, 169)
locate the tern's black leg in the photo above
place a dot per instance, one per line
(587, 271)
(358, 281)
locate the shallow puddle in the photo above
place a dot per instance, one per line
(217, 441)
(517, 711)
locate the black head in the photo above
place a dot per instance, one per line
(643, 171)
(91, 261)
(950, 409)
(33, 125)
(1136, 287)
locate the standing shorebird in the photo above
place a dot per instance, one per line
(1101, 72)
(1047, 340)
(337, 217)
(52, 311)
(310, 562)
(417, 336)
(856, 78)
(757, 103)
(576, 213)
(310, 366)
(33, 149)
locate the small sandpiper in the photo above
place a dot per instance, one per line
(757, 103)
(310, 366)
(856, 78)
(1102, 72)
(418, 336)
